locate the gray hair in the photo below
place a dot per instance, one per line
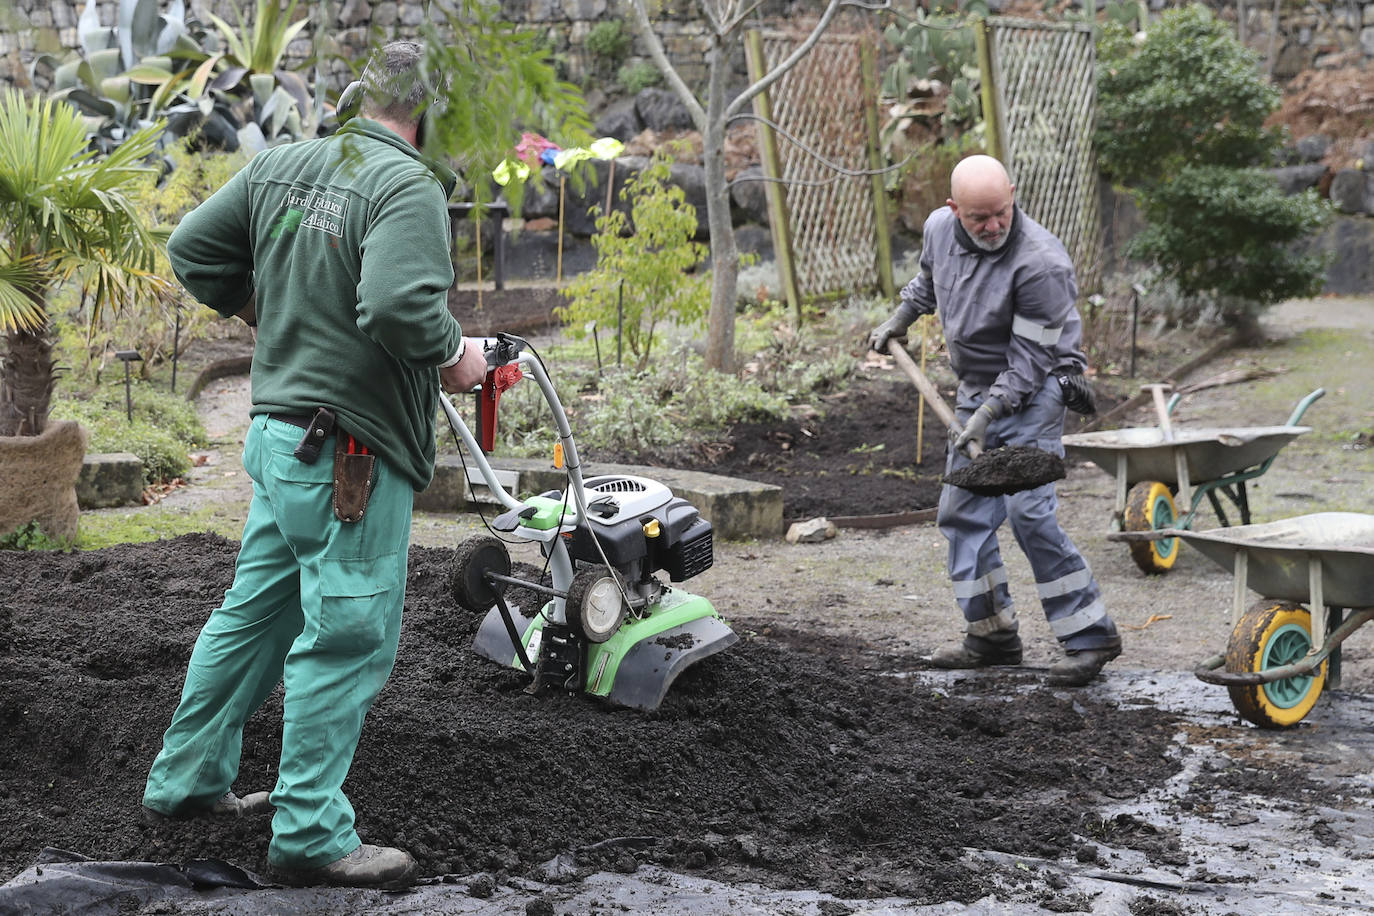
(397, 84)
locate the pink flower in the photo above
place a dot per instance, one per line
(531, 148)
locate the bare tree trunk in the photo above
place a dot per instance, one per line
(720, 329)
(26, 383)
(712, 120)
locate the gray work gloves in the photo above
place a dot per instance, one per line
(976, 430)
(889, 329)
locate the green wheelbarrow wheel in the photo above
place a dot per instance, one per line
(1150, 507)
(1269, 635)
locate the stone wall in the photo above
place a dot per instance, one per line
(1317, 34)
(32, 27)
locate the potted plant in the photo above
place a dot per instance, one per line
(66, 217)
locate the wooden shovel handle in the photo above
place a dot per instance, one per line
(928, 391)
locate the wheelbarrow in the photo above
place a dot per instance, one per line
(1316, 575)
(1158, 469)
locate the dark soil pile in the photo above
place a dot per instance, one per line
(855, 455)
(785, 760)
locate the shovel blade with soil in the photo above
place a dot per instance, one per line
(1007, 470)
(999, 472)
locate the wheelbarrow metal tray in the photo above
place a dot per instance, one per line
(1211, 453)
(1279, 554)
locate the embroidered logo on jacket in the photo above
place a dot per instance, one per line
(312, 208)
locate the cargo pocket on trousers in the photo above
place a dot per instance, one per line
(354, 602)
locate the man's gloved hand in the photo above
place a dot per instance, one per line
(976, 430)
(892, 327)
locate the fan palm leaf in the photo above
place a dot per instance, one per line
(65, 214)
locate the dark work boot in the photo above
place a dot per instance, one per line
(366, 866)
(229, 805)
(963, 655)
(1080, 666)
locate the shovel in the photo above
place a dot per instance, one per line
(996, 473)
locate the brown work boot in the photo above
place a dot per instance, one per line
(962, 655)
(229, 805)
(1079, 667)
(366, 866)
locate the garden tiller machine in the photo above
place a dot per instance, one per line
(610, 626)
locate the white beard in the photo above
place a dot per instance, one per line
(989, 246)
(985, 245)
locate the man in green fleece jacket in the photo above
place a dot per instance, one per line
(338, 251)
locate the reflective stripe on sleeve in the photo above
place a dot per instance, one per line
(1024, 327)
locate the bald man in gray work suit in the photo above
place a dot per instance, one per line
(1005, 292)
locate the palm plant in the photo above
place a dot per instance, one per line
(65, 215)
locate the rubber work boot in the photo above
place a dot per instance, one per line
(229, 805)
(366, 866)
(1079, 667)
(962, 655)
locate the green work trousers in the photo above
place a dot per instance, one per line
(316, 605)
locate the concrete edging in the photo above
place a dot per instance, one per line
(736, 508)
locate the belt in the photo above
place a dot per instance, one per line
(300, 420)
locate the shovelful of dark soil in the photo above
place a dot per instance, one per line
(1007, 470)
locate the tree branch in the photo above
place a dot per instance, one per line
(660, 59)
(831, 9)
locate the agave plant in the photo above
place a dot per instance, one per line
(125, 73)
(66, 215)
(226, 87)
(272, 102)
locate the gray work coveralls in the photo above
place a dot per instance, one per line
(1010, 322)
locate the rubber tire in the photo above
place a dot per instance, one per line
(586, 579)
(1282, 631)
(1150, 506)
(473, 558)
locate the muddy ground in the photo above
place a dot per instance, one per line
(820, 755)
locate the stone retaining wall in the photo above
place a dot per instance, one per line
(1315, 34)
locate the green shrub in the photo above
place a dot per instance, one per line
(30, 537)
(642, 277)
(1182, 124)
(639, 75)
(163, 429)
(609, 41)
(676, 405)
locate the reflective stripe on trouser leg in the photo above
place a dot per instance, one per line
(236, 662)
(969, 523)
(1068, 593)
(352, 592)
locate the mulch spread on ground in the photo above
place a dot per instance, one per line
(790, 760)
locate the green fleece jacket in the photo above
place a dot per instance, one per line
(346, 242)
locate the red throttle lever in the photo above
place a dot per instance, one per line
(497, 380)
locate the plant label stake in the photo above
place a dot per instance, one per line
(126, 357)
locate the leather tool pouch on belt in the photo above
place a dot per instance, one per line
(1078, 394)
(354, 472)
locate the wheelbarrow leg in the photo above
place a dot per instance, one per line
(1335, 616)
(1240, 582)
(1216, 506)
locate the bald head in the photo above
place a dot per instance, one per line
(981, 196)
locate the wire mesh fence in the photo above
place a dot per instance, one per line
(819, 110)
(1044, 75)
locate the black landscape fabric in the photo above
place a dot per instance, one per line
(792, 759)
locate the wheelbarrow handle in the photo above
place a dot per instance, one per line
(929, 392)
(1302, 406)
